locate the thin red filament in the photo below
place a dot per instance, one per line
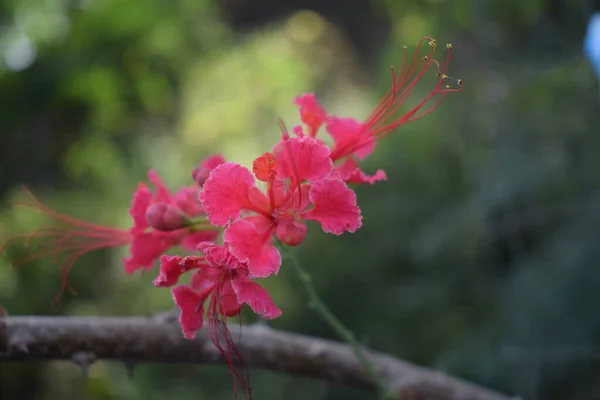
(378, 124)
(75, 240)
(218, 331)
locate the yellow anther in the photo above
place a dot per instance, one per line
(405, 47)
(449, 46)
(447, 86)
(444, 76)
(460, 82)
(432, 43)
(426, 58)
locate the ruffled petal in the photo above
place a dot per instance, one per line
(302, 159)
(172, 267)
(220, 256)
(190, 303)
(226, 192)
(349, 172)
(142, 198)
(170, 271)
(161, 194)
(186, 199)
(145, 249)
(253, 247)
(334, 207)
(256, 297)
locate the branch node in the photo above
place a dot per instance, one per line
(84, 359)
(18, 345)
(130, 367)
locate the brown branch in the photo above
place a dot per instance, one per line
(158, 339)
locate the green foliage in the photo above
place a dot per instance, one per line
(477, 257)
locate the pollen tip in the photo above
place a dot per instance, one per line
(449, 46)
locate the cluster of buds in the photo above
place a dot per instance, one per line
(231, 216)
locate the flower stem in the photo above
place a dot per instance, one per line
(334, 323)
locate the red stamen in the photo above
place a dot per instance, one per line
(378, 124)
(217, 329)
(78, 239)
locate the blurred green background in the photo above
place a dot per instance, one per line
(478, 256)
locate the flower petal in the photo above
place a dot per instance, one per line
(311, 113)
(334, 207)
(291, 233)
(206, 278)
(251, 246)
(298, 131)
(302, 159)
(349, 172)
(230, 305)
(190, 242)
(186, 199)
(161, 194)
(351, 137)
(256, 297)
(172, 267)
(226, 193)
(190, 303)
(170, 270)
(145, 249)
(142, 198)
(220, 256)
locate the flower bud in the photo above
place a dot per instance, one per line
(264, 167)
(291, 233)
(164, 217)
(200, 175)
(201, 172)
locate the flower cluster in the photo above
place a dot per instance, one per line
(230, 219)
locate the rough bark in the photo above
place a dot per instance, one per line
(158, 339)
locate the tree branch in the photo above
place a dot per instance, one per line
(159, 339)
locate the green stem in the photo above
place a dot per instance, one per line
(201, 224)
(344, 333)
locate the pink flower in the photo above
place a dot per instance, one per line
(224, 283)
(358, 138)
(288, 200)
(162, 221)
(76, 238)
(355, 139)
